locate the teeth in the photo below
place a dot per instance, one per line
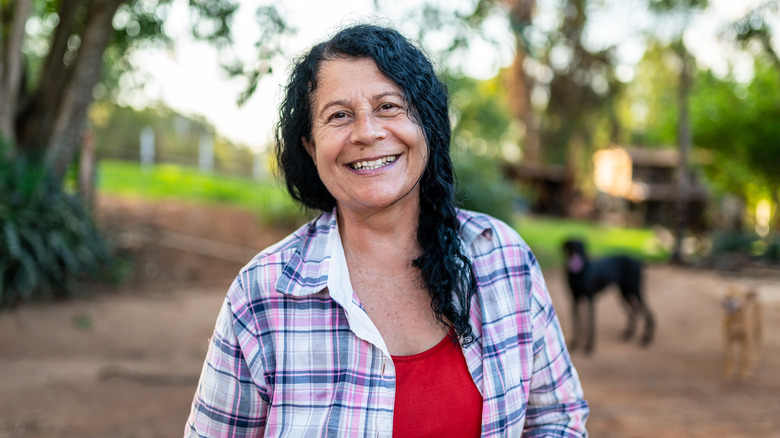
(375, 164)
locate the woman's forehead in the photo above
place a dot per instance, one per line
(343, 78)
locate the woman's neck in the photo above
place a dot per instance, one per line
(386, 233)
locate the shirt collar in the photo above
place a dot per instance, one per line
(307, 270)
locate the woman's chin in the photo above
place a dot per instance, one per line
(375, 204)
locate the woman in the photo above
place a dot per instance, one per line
(393, 313)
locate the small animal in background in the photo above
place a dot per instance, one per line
(741, 329)
(588, 277)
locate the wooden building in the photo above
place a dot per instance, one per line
(639, 186)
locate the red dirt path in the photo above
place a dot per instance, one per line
(125, 362)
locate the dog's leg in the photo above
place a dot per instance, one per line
(728, 355)
(745, 356)
(757, 330)
(575, 326)
(647, 336)
(631, 311)
(748, 344)
(591, 326)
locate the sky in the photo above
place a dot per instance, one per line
(190, 80)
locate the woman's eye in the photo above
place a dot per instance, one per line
(389, 108)
(338, 116)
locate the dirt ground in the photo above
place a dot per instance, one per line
(124, 362)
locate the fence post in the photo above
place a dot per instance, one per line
(206, 153)
(147, 147)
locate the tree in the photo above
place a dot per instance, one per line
(755, 26)
(680, 11)
(44, 115)
(44, 94)
(53, 53)
(737, 122)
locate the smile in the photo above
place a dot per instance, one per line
(374, 164)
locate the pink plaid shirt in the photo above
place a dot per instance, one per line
(293, 353)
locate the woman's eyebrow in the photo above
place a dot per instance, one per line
(339, 102)
(388, 93)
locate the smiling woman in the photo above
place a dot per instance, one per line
(369, 152)
(393, 313)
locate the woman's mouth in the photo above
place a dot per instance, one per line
(373, 164)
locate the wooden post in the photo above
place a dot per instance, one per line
(87, 168)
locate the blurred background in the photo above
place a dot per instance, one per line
(136, 178)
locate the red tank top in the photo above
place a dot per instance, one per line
(434, 394)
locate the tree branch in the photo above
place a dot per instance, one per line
(35, 122)
(71, 114)
(11, 67)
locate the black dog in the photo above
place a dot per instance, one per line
(589, 277)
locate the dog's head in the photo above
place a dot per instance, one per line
(736, 298)
(575, 256)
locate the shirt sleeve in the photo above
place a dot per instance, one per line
(228, 402)
(556, 406)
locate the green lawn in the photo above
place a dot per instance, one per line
(271, 203)
(546, 236)
(267, 199)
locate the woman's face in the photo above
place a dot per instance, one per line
(368, 151)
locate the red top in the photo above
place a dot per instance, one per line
(434, 394)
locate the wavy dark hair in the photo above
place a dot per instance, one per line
(444, 267)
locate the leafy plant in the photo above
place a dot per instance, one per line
(482, 186)
(48, 240)
(746, 243)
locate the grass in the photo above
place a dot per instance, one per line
(546, 236)
(267, 199)
(271, 203)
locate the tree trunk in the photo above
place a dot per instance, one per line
(684, 144)
(11, 63)
(71, 114)
(520, 84)
(35, 122)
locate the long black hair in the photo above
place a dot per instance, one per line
(444, 266)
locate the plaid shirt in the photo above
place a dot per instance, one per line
(293, 353)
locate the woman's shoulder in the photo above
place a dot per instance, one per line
(304, 244)
(475, 224)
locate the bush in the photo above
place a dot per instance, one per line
(48, 240)
(746, 243)
(482, 186)
(733, 242)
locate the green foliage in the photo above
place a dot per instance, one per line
(746, 243)
(483, 125)
(738, 122)
(651, 112)
(481, 108)
(667, 6)
(48, 240)
(732, 242)
(482, 186)
(268, 200)
(546, 236)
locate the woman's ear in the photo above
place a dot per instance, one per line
(309, 146)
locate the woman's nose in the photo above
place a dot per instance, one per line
(367, 129)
